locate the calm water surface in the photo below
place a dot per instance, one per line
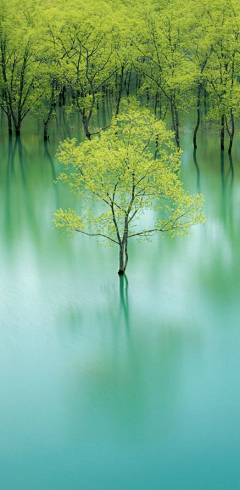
(117, 386)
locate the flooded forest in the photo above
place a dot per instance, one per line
(119, 244)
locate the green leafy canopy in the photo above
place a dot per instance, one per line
(119, 170)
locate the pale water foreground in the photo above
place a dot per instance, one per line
(118, 386)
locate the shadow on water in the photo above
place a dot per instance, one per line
(227, 180)
(113, 378)
(21, 150)
(63, 126)
(231, 169)
(11, 156)
(124, 304)
(48, 156)
(116, 310)
(197, 169)
(9, 175)
(231, 176)
(222, 165)
(19, 197)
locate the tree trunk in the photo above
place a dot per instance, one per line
(230, 144)
(9, 124)
(128, 83)
(173, 116)
(46, 123)
(123, 256)
(17, 124)
(45, 131)
(120, 90)
(156, 153)
(62, 96)
(160, 106)
(156, 104)
(231, 132)
(47, 120)
(177, 128)
(205, 101)
(121, 261)
(86, 127)
(175, 120)
(198, 116)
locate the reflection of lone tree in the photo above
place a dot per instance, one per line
(119, 170)
(123, 290)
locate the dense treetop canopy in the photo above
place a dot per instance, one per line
(177, 53)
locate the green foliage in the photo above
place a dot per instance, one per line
(119, 170)
(19, 45)
(173, 50)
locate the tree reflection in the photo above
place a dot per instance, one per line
(21, 149)
(197, 169)
(129, 375)
(231, 168)
(227, 177)
(50, 159)
(124, 304)
(9, 175)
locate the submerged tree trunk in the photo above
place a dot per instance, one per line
(175, 120)
(10, 131)
(45, 131)
(123, 256)
(120, 90)
(88, 135)
(231, 131)
(62, 96)
(17, 120)
(86, 117)
(128, 83)
(86, 126)
(46, 122)
(177, 128)
(18, 130)
(121, 261)
(198, 116)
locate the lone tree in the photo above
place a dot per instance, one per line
(138, 195)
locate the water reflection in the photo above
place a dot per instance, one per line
(117, 351)
(136, 391)
(124, 304)
(117, 311)
(21, 151)
(227, 177)
(48, 155)
(21, 171)
(226, 174)
(197, 169)
(64, 128)
(119, 373)
(231, 168)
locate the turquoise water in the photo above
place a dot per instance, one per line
(109, 385)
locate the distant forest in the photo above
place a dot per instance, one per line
(177, 54)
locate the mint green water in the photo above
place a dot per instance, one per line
(117, 386)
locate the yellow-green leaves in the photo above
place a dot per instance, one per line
(118, 171)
